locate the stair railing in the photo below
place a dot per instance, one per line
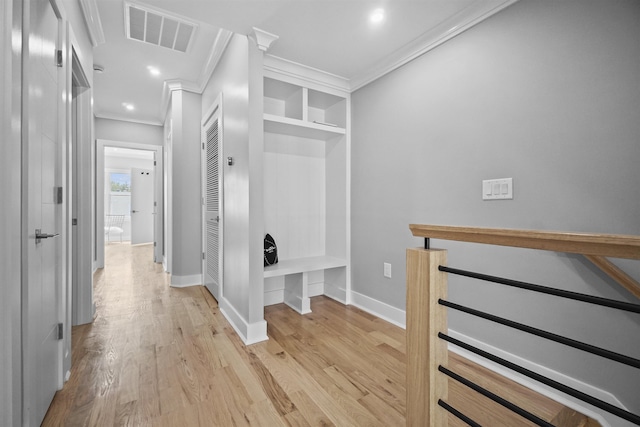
(427, 304)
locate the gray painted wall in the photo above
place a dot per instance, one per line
(547, 93)
(186, 234)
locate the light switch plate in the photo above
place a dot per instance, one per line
(387, 270)
(497, 189)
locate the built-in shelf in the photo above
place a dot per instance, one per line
(305, 168)
(300, 128)
(302, 265)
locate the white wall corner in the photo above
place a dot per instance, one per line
(249, 333)
(92, 20)
(262, 39)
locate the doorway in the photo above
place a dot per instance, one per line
(129, 196)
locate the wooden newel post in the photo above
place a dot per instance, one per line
(425, 351)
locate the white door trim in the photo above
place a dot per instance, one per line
(215, 109)
(99, 174)
(81, 304)
(10, 214)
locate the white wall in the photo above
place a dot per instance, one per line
(118, 130)
(547, 93)
(239, 78)
(186, 240)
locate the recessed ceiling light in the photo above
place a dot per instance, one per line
(128, 106)
(377, 16)
(153, 70)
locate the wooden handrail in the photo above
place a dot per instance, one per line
(425, 284)
(604, 245)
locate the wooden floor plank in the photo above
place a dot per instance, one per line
(162, 356)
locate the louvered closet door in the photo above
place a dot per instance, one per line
(212, 235)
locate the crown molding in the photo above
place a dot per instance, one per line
(124, 118)
(215, 55)
(475, 13)
(262, 39)
(217, 50)
(92, 21)
(305, 75)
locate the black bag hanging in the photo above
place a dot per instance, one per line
(270, 251)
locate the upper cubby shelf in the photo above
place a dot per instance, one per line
(295, 110)
(295, 127)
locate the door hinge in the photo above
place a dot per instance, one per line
(59, 58)
(154, 163)
(59, 195)
(203, 255)
(155, 244)
(60, 331)
(74, 221)
(203, 145)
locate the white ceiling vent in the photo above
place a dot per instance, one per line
(158, 28)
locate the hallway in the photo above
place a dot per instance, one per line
(162, 356)
(157, 355)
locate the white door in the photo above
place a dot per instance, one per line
(211, 166)
(42, 371)
(142, 209)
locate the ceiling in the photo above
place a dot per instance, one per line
(335, 36)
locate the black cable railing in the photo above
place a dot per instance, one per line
(499, 400)
(621, 358)
(626, 306)
(541, 333)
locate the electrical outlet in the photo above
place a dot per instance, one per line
(387, 270)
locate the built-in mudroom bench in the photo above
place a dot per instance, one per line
(306, 189)
(294, 281)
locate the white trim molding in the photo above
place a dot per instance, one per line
(217, 50)
(124, 118)
(475, 13)
(379, 309)
(186, 281)
(398, 317)
(304, 75)
(249, 333)
(92, 20)
(604, 418)
(262, 39)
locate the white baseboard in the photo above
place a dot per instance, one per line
(605, 419)
(250, 333)
(185, 281)
(379, 309)
(398, 317)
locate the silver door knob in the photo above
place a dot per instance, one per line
(40, 235)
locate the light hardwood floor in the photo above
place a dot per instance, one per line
(163, 356)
